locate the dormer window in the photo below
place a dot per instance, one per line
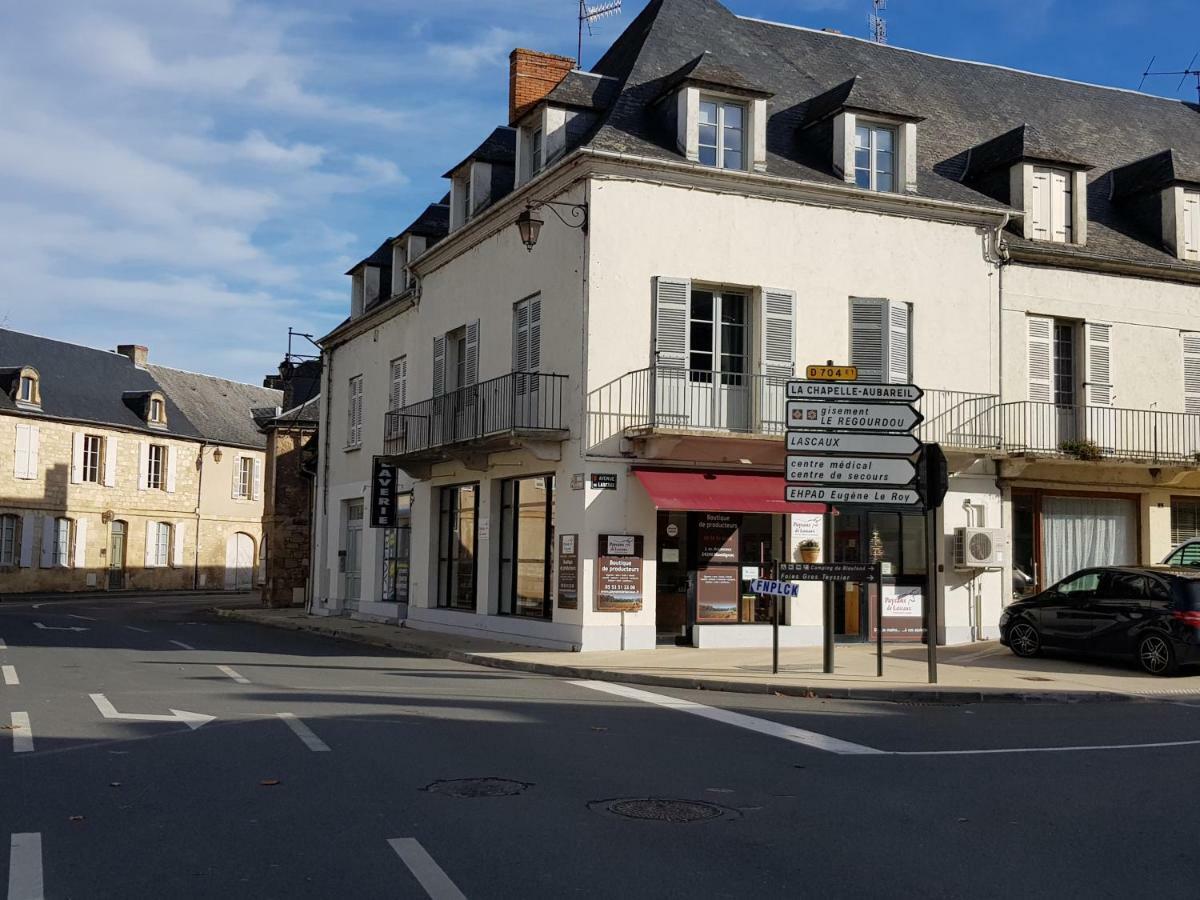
(875, 156)
(28, 390)
(158, 413)
(1052, 208)
(25, 388)
(722, 134)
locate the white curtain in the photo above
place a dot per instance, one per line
(1078, 532)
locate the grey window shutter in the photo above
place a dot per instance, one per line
(671, 296)
(779, 332)
(27, 526)
(1040, 331)
(1098, 383)
(535, 335)
(521, 337)
(439, 365)
(868, 349)
(48, 528)
(471, 367)
(1191, 372)
(899, 343)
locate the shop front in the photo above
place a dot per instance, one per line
(897, 542)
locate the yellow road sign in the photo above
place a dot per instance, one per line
(832, 373)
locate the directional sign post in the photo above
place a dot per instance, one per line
(851, 416)
(857, 470)
(776, 590)
(866, 496)
(852, 442)
(843, 390)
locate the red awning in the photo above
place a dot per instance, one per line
(720, 492)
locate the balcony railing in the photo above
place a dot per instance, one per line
(520, 402)
(688, 400)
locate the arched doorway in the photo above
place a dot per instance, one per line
(239, 562)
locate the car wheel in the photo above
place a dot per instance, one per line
(1024, 640)
(1156, 655)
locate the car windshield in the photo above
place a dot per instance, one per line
(1187, 555)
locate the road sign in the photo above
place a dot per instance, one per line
(868, 496)
(809, 414)
(850, 390)
(860, 470)
(832, 373)
(774, 588)
(853, 442)
(847, 572)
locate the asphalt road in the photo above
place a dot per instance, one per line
(354, 796)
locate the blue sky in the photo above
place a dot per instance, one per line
(195, 175)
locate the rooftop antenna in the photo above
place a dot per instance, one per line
(589, 14)
(293, 356)
(1182, 73)
(877, 21)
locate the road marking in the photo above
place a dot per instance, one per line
(436, 882)
(240, 679)
(84, 618)
(1075, 749)
(10, 675)
(41, 627)
(762, 726)
(25, 867)
(22, 733)
(3, 646)
(191, 719)
(311, 741)
(135, 628)
(182, 645)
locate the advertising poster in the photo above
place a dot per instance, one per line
(903, 612)
(717, 537)
(718, 590)
(568, 571)
(619, 573)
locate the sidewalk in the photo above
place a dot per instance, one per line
(984, 672)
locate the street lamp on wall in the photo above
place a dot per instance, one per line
(530, 225)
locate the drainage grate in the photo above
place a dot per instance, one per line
(661, 809)
(470, 788)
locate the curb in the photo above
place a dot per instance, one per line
(933, 695)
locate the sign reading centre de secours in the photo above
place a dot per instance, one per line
(861, 470)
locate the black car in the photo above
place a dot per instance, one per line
(1149, 613)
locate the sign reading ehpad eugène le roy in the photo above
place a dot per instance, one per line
(384, 476)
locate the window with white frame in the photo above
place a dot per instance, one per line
(61, 552)
(1052, 205)
(875, 157)
(881, 339)
(156, 465)
(8, 540)
(93, 459)
(535, 152)
(28, 389)
(354, 413)
(398, 383)
(159, 553)
(245, 477)
(722, 134)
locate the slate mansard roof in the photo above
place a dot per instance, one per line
(83, 384)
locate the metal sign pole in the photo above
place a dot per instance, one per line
(828, 629)
(879, 623)
(775, 635)
(931, 604)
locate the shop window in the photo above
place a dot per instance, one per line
(526, 546)
(8, 540)
(396, 554)
(458, 515)
(1185, 520)
(731, 550)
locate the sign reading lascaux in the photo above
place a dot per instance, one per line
(852, 442)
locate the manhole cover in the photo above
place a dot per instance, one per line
(469, 788)
(660, 809)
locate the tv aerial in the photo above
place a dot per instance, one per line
(589, 14)
(1183, 74)
(877, 22)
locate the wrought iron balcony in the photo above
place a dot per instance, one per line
(485, 417)
(666, 399)
(1095, 432)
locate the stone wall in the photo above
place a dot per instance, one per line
(287, 518)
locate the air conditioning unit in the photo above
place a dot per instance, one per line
(978, 548)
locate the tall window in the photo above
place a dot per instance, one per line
(535, 154)
(245, 476)
(457, 533)
(722, 136)
(398, 392)
(8, 540)
(160, 543)
(1064, 363)
(875, 157)
(1052, 205)
(526, 546)
(61, 553)
(157, 411)
(156, 467)
(354, 413)
(717, 322)
(93, 455)
(28, 389)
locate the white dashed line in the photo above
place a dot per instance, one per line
(10, 675)
(85, 618)
(182, 645)
(311, 741)
(240, 679)
(3, 646)
(436, 882)
(750, 723)
(135, 628)
(25, 867)
(22, 733)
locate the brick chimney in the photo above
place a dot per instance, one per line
(531, 76)
(137, 354)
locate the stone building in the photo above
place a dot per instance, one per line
(120, 475)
